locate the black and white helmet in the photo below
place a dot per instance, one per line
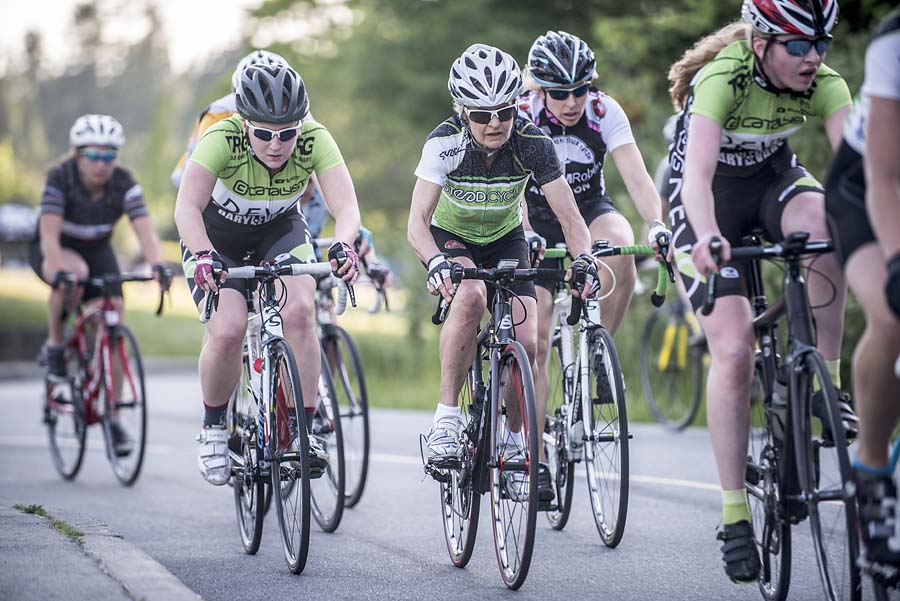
(484, 76)
(257, 57)
(811, 18)
(97, 130)
(560, 59)
(271, 94)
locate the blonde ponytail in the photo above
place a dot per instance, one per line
(704, 50)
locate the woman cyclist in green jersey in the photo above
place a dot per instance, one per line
(239, 194)
(743, 91)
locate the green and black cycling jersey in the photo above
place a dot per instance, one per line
(477, 203)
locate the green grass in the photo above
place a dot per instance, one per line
(57, 524)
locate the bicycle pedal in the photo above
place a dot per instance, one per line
(437, 474)
(316, 472)
(547, 506)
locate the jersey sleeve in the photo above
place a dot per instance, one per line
(53, 198)
(615, 127)
(883, 67)
(133, 200)
(441, 154)
(712, 95)
(832, 93)
(326, 153)
(213, 147)
(538, 155)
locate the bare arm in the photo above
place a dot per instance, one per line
(834, 127)
(882, 166)
(701, 159)
(425, 198)
(637, 180)
(560, 198)
(143, 227)
(193, 196)
(340, 199)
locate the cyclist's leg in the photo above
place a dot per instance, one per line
(544, 320)
(72, 262)
(611, 225)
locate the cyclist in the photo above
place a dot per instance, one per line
(865, 175)
(585, 124)
(742, 92)
(238, 195)
(84, 197)
(467, 207)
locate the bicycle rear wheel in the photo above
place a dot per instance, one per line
(671, 367)
(350, 387)
(125, 407)
(771, 530)
(606, 450)
(514, 465)
(289, 449)
(460, 503)
(556, 435)
(64, 418)
(248, 484)
(327, 492)
(825, 474)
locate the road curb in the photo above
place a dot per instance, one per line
(143, 577)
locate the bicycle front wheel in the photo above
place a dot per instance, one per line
(289, 451)
(125, 407)
(606, 450)
(825, 474)
(556, 436)
(247, 483)
(346, 368)
(64, 418)
(327, 492)
(671, 367)
(513, 465)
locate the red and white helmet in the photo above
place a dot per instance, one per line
(97, 130)
(812, 18)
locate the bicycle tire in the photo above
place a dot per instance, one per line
(607, 438)
(460, 503)
(672, 393)
(826, 477)
(352, 395)
(556, 436)
(130, 410)
(327, 492)
(292, 508)
(507, 512)
(772, 532)
(249, 487)
(64, 417)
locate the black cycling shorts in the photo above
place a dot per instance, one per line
(845, 202)
(511, 246)
(743, 205)
(99, 256)
(552, 232)
(286, 235)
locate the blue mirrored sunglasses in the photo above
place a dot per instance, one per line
(107, 156)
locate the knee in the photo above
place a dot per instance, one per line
(735, 360)
(299, 314)
(469, 302)
(226, 339)
(808, 216)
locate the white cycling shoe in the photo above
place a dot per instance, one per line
(213, 459)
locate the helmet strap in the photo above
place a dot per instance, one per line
(759, 71)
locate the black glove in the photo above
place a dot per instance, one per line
(438, 270)
(379, 274)
(892, 286)
(584, 273)
(340, 252)
(163, 275)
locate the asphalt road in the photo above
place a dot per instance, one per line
(391, 545)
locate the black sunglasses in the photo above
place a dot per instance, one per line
(288, 133)
(802, 46)
(484, 116)
(558, 94)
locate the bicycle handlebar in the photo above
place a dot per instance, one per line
(106, 282)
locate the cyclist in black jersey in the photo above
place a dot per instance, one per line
(585, 124)
(744, 90)
(83, 198)
(467, 208)
(863, 201)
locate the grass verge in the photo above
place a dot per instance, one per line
(60, 525)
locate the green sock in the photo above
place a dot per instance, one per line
(735, 506)
(834, 368)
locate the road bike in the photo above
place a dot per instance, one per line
(104, 383)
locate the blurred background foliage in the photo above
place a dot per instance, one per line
(376, 71)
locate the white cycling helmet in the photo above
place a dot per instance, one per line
(812, 18)
(484, 76)
(97, 130)
(257, 57)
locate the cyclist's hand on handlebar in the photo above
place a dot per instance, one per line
(439, 282)
(163, 275)
(380, 276)
(702, 255)
(61, 277)
(583, 276)
(344, 261)
(660, 238)
(210, 272)
(537, 245)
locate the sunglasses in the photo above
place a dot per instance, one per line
(107, 156)
(801, 47)
(288, 133)
(558, 94)
(483, 117)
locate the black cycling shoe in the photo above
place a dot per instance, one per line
(604, 389)
(848, 416)
(56, 363)
(739, 552)
(122, 443)
(877, 498)
(546, 493)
